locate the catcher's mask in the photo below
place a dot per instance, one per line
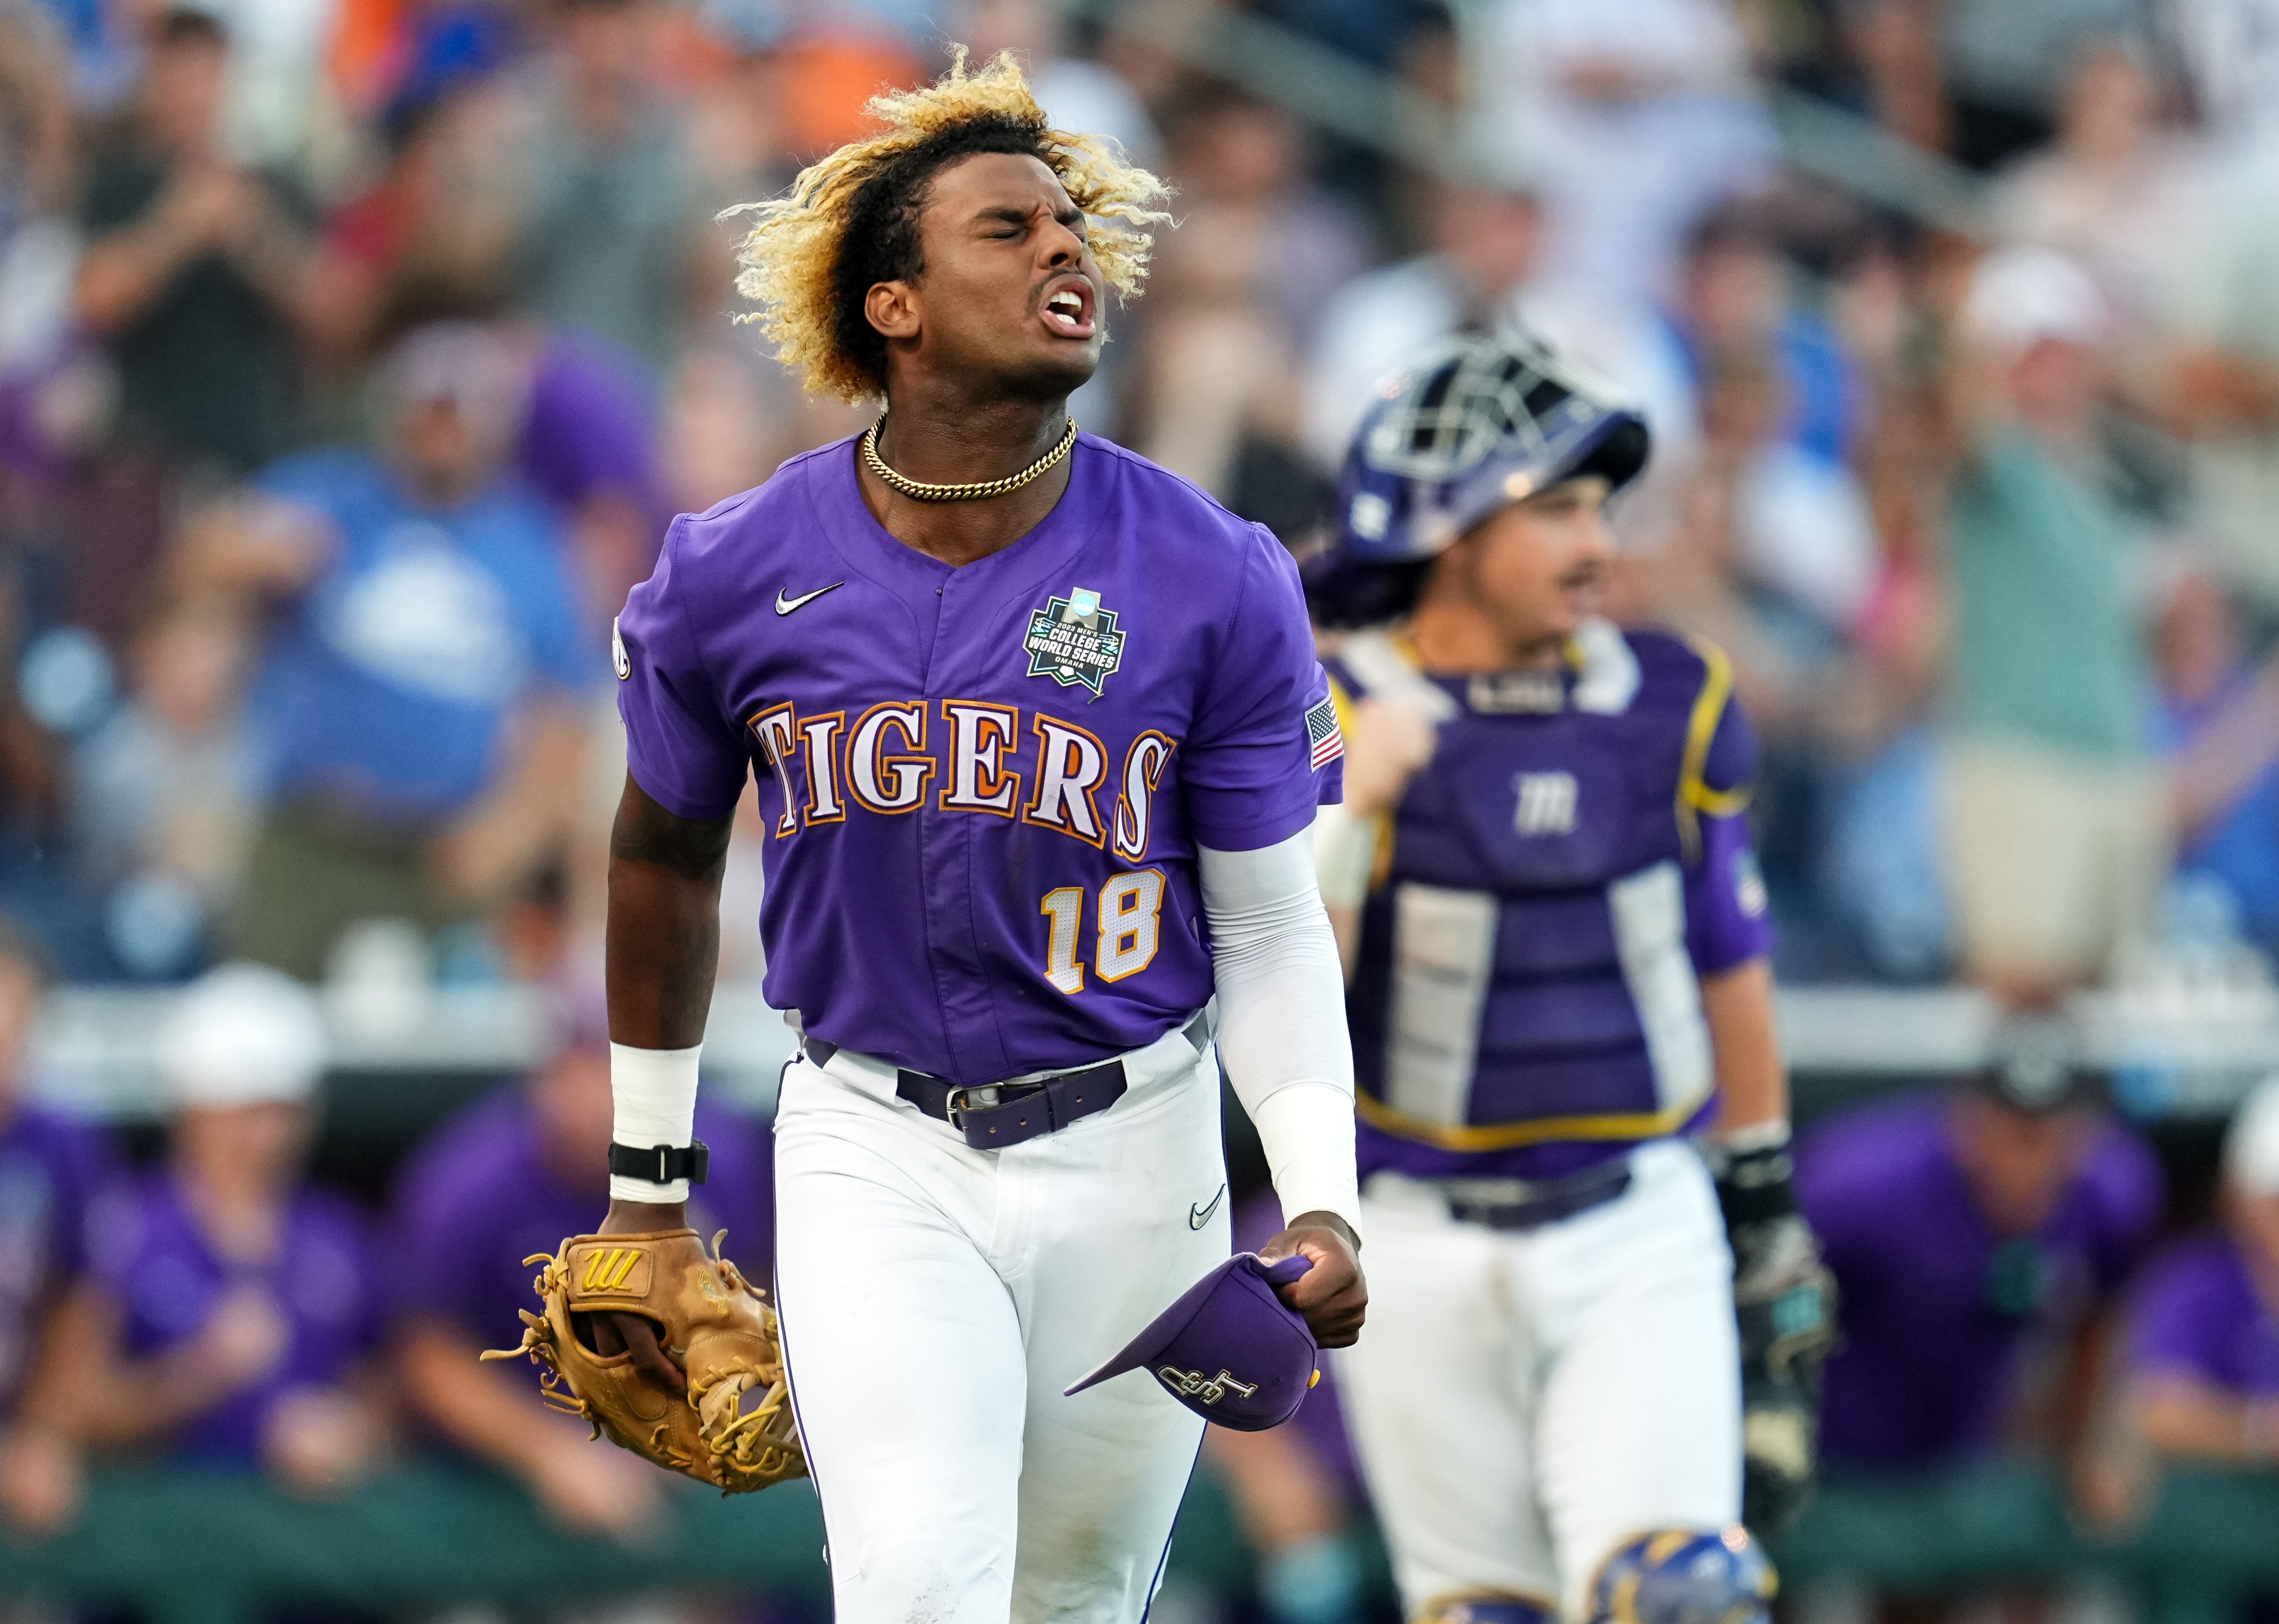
(1480, 422)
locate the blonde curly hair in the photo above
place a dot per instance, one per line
(849, 221)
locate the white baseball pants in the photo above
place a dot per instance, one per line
(935, 1300)
(1523, 1403)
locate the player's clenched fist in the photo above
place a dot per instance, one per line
(1331, 1296)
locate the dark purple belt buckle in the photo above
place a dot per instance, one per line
(1049, 1106)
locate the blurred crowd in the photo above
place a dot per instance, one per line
(2013, 1286)
(208, 1305)
(354, 353)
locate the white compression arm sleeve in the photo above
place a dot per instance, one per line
(1282, 1020)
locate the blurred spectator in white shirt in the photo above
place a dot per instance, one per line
(2221, 384)
(1801, 530)
(281, 109)
(1483, 241)
(1480, 272)
(2230, 50)
(2116, 192)
(1076, 92)
(1637, 118)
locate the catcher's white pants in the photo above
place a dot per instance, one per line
(936, 1298)
(1524, 1403)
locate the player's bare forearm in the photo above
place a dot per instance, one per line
(1745, 1034)
(1331, 1296)
(663, 945)
(663, 942)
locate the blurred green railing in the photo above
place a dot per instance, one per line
(184, 1547)
(2205, 1543)
(189, 1547)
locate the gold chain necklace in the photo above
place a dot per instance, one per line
(918, 491)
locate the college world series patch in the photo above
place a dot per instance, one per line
(1074, 641)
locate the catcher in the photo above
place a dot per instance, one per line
(1560, 972)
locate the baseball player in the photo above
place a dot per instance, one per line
(1558, 949)
(1040, 736)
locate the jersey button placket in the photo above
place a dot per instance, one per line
(945, 849)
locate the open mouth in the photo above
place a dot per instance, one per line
(1068, 310)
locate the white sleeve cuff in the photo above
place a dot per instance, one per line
(656, 1095)
(1306, 1130)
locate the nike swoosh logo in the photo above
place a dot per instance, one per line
(1198, 1216)
(784, 606)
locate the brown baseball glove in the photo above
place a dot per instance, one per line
(733, 1428)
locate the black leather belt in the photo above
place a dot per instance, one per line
(1529, 1203)
(998, 1116)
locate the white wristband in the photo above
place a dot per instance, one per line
(656, 1095)
(1306, 1131)
(1345, 854)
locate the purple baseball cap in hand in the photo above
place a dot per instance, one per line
(1228, 1349)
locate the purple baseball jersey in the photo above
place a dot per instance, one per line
(2198, 1314)
(50, 1167)
(1938, 1313)
(1551, 887)
(480, 1195)
(146, 1250)
(985, 785)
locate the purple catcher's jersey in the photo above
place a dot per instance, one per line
(985, 787)
(1548, 892)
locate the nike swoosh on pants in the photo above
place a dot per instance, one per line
(1198, 1216)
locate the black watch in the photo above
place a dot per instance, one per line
(661, 1164)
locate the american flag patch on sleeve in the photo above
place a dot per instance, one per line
(1321, 734)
